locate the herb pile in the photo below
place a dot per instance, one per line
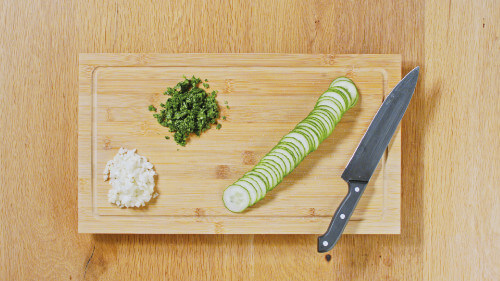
(189, 109)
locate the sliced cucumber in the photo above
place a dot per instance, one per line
(303, 140)
(252, 183)
(293, 147)
(310, 134)
(274, 166)
(236, 198)
(347, 83)
(272, 171)
(283, 159)
(327, 121)
(257, 182)
(316, 121)
(273, 175)
(287, 152)
(345, 92)
(339, 96)
(336, 113)
(300, 146)
(294, 150)
(330, 112)
(254, 196)
(316, 130)
(309, 139)
(265, 176)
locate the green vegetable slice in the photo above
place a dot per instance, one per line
(274, 166)
(236, 198)
(293, 147)
(257, 182)
(263, 175)
(309, 134)
(251, 190)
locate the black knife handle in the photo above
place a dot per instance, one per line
(341, 216)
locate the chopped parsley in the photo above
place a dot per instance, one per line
(206, 85)
(152, 108)
(227, 106)
(224, 117)
(225, 102)
(167, 137)
(189, 109)
(219, 126)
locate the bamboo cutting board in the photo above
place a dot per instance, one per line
(267, 94)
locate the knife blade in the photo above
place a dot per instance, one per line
(370, 150)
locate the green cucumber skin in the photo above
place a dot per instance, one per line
(323, 118)
(251, 203)
(230, 209)
(259, 193)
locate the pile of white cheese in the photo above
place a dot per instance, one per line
(132, 179)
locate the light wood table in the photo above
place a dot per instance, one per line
(450, 193)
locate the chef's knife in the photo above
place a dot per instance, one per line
(366, 157)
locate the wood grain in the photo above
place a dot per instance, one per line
(449, 214)
(268, 94)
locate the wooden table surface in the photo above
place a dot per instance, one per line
(450, 195)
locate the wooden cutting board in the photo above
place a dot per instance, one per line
(267, 94)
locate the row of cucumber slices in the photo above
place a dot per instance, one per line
(293, 147)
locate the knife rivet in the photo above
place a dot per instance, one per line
(325, 243)
(356, 189)
(342, 216)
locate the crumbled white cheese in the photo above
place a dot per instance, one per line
(132, 179)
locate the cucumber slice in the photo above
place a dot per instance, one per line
(332, 114)
(272, 171)
(296, 152)
(336, 113)
(344, 92)
(315, 120)
(250, 181)
(293, 147)
(317, 132)
(347, 83)
(287, 152)
(339, 96)
(327, 102)
(279, 161)
(303, 140)
(257, 182)
(269, 173)
(288, 163)
(264, 176)
(251, 190)
(274, 166)
(310, 134)
(309, 139)
(272, 175)
(236, 199)
(298, 143)
(325, 119)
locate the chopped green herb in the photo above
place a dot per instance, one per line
(189, 109)
(206, 85)
(167, 137)
(219, 126)
(227, 106)
(225, 102)
(206, 80)
(224, 117)
(152, 108)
